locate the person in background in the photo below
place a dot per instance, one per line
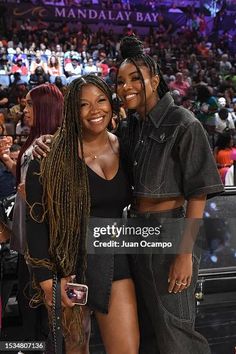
(3, 130)
(180, 84)
(7, 179)
(208, 106)
(230, 177)
(19, 67)
(233, 110)
(193, 64)
(224, 152)
(111, 77)
(58, 82)
(225, 65)
(39, 77)
(223, 104)
(7, 186)
(23, 128)
(224, 121)
(102, 64)
(54, 67)
(38, 62)
(4, 99)
(44, 108)
(16, 111)
(20, 55)
(73, 67)
(17, 89)
(90, 67)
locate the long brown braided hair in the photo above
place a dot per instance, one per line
(65, 184)
(66, 197)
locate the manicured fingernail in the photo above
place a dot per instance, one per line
(170, 291)
(48, 149)
(44, 155)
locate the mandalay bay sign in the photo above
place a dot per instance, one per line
(57, 13)
(109, 15)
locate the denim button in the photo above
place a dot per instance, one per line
(162, 137)
(135, 163)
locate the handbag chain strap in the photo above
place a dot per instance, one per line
(56, 315)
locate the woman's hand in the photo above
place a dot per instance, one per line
(47, 289)
(42, 146)
(4, 149)
(5, 233)
(5, 144)
(181, 269)
(180, 273)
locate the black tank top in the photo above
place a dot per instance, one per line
(109, 197)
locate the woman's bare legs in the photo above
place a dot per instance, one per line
(119, 328)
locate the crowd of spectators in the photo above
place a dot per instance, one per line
(200, 69)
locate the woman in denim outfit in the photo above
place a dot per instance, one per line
(172, 166)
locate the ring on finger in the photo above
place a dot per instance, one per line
(178, 283)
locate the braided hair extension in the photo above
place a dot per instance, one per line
(68, 199)
(66, 195)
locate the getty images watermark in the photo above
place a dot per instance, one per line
(133, 236)
(118, 236)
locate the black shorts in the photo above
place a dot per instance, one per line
(121, 267)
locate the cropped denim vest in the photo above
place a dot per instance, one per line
(169, 154)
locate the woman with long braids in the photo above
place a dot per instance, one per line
(82, 176)
(172, 166)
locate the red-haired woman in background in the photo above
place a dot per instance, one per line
(44, 109)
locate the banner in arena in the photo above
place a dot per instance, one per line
(101, 16)
(92, 15)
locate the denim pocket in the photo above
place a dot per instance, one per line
(153, 159)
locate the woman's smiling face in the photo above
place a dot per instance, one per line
(95, 109)
(130, 88)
